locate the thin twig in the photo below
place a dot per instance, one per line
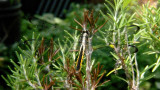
(137, 70)
(26, 77)
(88, 62)
(131, 64)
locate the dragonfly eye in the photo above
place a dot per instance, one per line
(85, 32)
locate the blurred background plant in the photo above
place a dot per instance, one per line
(146, 39)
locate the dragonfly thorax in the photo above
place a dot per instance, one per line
(84, 38)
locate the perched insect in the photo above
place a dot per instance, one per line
(88, 30)
(84, 38)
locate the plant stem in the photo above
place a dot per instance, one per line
(130, 59)
(35, 60)
(26, 77)
(137, 70)
(89, 51)
(36, 72)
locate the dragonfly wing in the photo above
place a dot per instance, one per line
(80, 58)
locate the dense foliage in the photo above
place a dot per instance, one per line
(44, 63)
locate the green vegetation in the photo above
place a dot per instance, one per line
(113, 64)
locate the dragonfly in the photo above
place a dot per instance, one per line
(83, 41)
(84, 38)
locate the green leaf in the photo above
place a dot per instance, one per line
(69, 34)
(113, 71)
(17, 67)
(22, 61)
(11, 81)
(131, 18)
(31, 70)
(157, 64)
(126, 3)
(17, 55)
(24, 52)
(151, 52)
(106, 18)
(114, 55)
(111, 18)
(7, 81)
(112, 6)
(146, 69)
(122, 21)
(122, 79)
(110, 11)
(44, 65)
(56, 66)
(147, 78)
(155, 38)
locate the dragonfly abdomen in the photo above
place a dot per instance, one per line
(80, 58)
